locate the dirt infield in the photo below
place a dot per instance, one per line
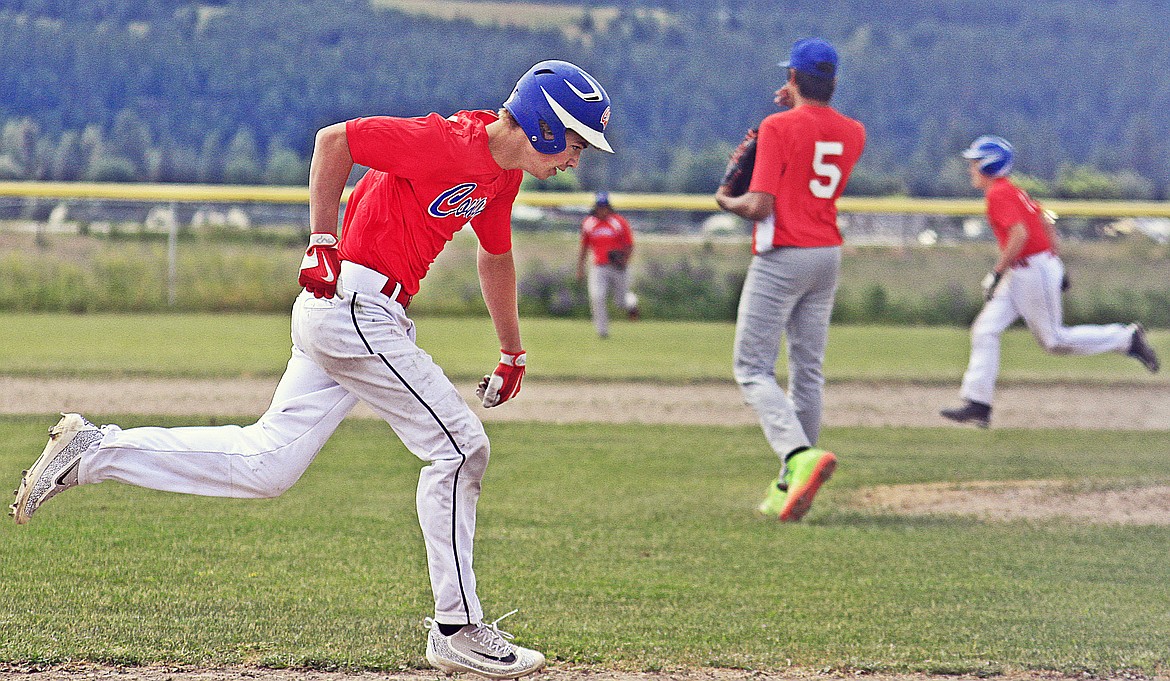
(1023, 500)
(1136, 407)
(846, 404)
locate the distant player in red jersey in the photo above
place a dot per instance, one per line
(803, 159)
(607, 236)
(352, 339)
(1026, 281)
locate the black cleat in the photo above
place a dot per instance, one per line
(975, 413)
(1141, 350)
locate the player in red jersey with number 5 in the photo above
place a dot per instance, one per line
(803, 159)
(352, 339)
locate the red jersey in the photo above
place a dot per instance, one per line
(428, 178)
(803, 159)
(603, 235)
(1008, 205)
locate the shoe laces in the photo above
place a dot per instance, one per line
(491, 636)
(487, 635)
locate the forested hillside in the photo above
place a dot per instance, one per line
(233, 90)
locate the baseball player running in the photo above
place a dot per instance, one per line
(1026, 281)
(803, 160)
(352, 339)
(608, 236)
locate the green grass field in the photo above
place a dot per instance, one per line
(623, 547)
(675, 352)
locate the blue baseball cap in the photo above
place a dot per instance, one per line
(813, 56)
(601, 198)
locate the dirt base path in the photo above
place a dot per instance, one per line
(846, 404)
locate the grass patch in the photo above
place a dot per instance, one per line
(676, 277)
(623, 546)
(204, 345)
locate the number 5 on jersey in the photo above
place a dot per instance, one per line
(830, 173)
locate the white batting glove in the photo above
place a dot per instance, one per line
(503, 384)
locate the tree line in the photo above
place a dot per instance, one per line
(233, 90)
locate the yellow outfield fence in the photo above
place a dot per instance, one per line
(219, 193)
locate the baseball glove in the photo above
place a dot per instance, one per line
(738, 176)
(618, 258)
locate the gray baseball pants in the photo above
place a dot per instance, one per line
(607, 281)
(788, 292)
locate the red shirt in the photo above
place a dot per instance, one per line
(1008, 205)
(428, 178)
(803, 158)
(612, 233)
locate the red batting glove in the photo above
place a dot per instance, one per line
(320, 265)
(504, 383)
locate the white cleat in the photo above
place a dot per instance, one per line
(56, 469)
(480, 649)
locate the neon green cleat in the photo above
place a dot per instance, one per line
(805, 473)
(774, 502)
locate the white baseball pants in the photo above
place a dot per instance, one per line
(1032, 291)
(788, 292)
(357, 345)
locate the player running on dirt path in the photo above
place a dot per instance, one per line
(1026, 281)
(803, 159)
(352, 339)
(608, 236)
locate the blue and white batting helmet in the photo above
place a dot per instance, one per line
(555, 96)
(995, 155)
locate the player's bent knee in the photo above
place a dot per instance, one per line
(748, 378)
(478, 452)
(1055, 348)
(264, 479)
(1053, 344)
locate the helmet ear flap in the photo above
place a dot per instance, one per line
(533, 114)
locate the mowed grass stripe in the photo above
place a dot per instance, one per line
(623, 546)
(203, 345)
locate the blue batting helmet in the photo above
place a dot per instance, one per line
(555, 96)
(995, 155)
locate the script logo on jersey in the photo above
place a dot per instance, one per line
(457, 202)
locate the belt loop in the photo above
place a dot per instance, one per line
(396, 291)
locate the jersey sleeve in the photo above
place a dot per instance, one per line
(1005, 209)
(493, 227)
(404, 147)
